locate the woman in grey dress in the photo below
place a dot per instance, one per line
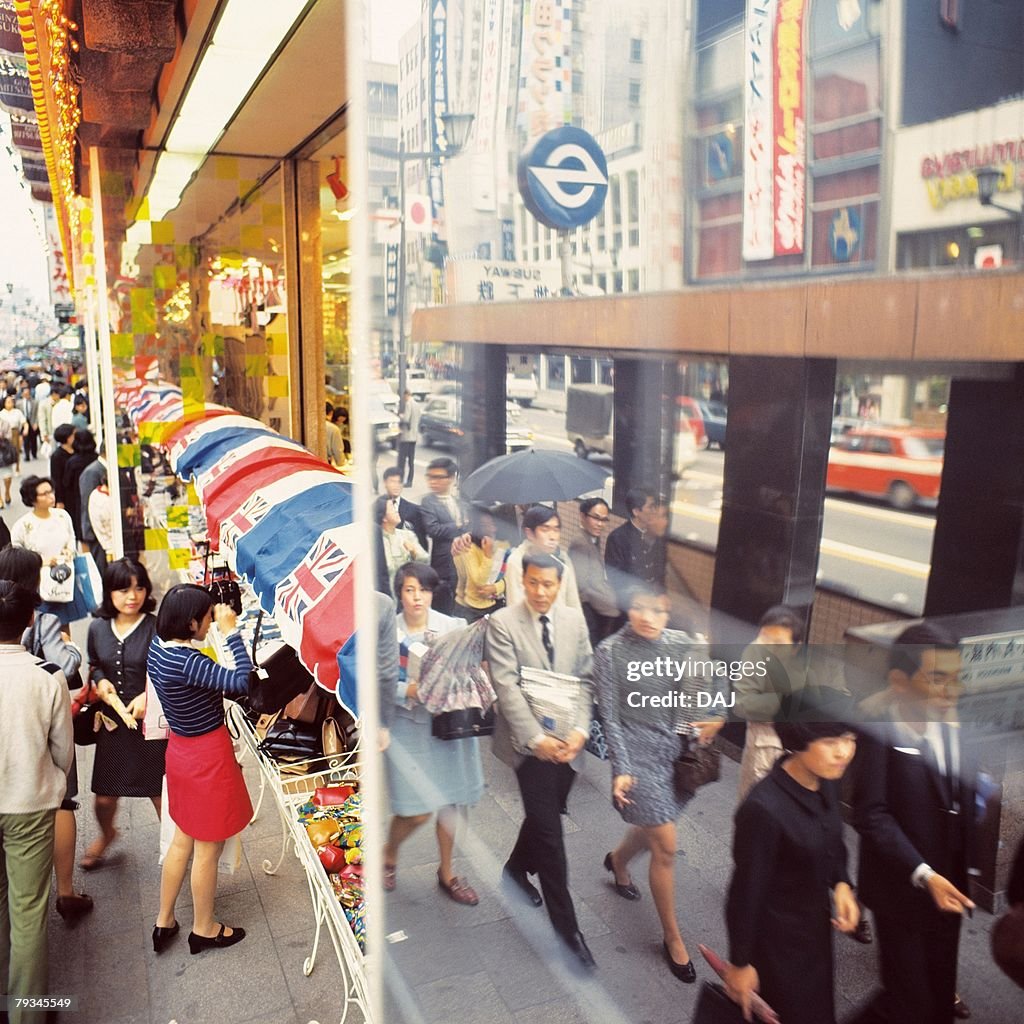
(425, 775)
(643, 743)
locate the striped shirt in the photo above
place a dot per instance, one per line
(191, 686)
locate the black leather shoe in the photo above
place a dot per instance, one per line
(579, 949)
(960, 1009)
(684, 972)
(72, 908)
(519, 878)
(162, 937)
(862, 933)
(627, 892)
(197, 943)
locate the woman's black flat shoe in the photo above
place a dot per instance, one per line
(162, 937)
(684, 972)
(197, 943)
(627, 892)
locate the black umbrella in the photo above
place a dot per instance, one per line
(533, 475)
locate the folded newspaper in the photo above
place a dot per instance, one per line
(553, 698)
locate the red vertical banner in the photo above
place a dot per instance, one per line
(790, 132)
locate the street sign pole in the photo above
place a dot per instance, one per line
(400, 298)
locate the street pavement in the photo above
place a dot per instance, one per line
(498, 963)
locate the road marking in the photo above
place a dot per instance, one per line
(886, 515)
(893, 563)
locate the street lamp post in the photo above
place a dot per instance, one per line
(988, 185)
(457, 132)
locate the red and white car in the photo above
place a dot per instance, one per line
(902, 465)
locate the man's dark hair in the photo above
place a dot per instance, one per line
(62, 433)
(390, 472)
(543, 562)
(538, 515)
(788, 618)
(589, 504)
(443, 462)
(329, 408)
(16, 607)
(84, 443)
(28, 489)
(182, 605)
(423, 574)
(636, 497)
(911, 644)
(21, 566)
(118, 576)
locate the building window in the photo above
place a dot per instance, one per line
(636, 51)
(615, 194)
(633, 207)
(634, 94)
(634, 280)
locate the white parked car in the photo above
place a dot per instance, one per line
(521, 389)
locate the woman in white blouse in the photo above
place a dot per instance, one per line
(399, 546)
(47, 531)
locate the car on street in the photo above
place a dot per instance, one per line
(902, 465)
(415, 380)
(441, 425)
(590, 420)
(521, 389)
(714, 416)
(690, 408)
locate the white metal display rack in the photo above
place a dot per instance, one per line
(289, 792)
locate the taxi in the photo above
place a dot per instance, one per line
(902, 465)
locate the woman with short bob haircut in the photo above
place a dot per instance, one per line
(790, 888)
(206, 795)
(120, 636)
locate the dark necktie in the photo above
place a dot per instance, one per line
(545, 637)
(951, 775)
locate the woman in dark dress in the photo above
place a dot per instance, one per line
(643, 743)
(126, 763)
(790, 869)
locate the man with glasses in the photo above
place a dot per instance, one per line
(445, 521)
(914, 809)
(600, 607)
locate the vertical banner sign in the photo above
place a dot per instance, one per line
(484, 125)
(10, 37)
(438, 107)
(758, 108)
(790, 135)
(545, 69)
(391, 278)
(508, 240)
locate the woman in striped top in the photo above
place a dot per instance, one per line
(206, 795)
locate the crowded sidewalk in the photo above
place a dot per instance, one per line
(499, 963)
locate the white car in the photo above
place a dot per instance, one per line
(521, 389)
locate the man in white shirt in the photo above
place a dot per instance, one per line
(62, 411)
(410, 432)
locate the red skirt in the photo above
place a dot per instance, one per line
(206, 793)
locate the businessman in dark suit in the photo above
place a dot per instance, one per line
(914, 809)
(445, 520)
(539, 633)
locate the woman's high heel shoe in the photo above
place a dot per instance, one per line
(684, 972)
(162, 936)
(197, 943)
(627, 892)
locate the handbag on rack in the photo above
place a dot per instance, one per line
(291, 741)
(277, 679)
(696, 766)
(221, 585)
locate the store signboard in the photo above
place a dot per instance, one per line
(935, 185)
(545, 69)
(26, 136)
(500, 281)
(481, 146)
(508, 239)
(438, 104)
(391, 278)
(790, 135)
(10, 37)
(758, 83)
(992, 674)
(15, 90)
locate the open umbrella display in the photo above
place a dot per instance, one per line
(533, 475)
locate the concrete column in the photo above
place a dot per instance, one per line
(645, 425)
(978, 550)
(483, 405)
(780, 419)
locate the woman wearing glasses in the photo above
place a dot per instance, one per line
(600, 607)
